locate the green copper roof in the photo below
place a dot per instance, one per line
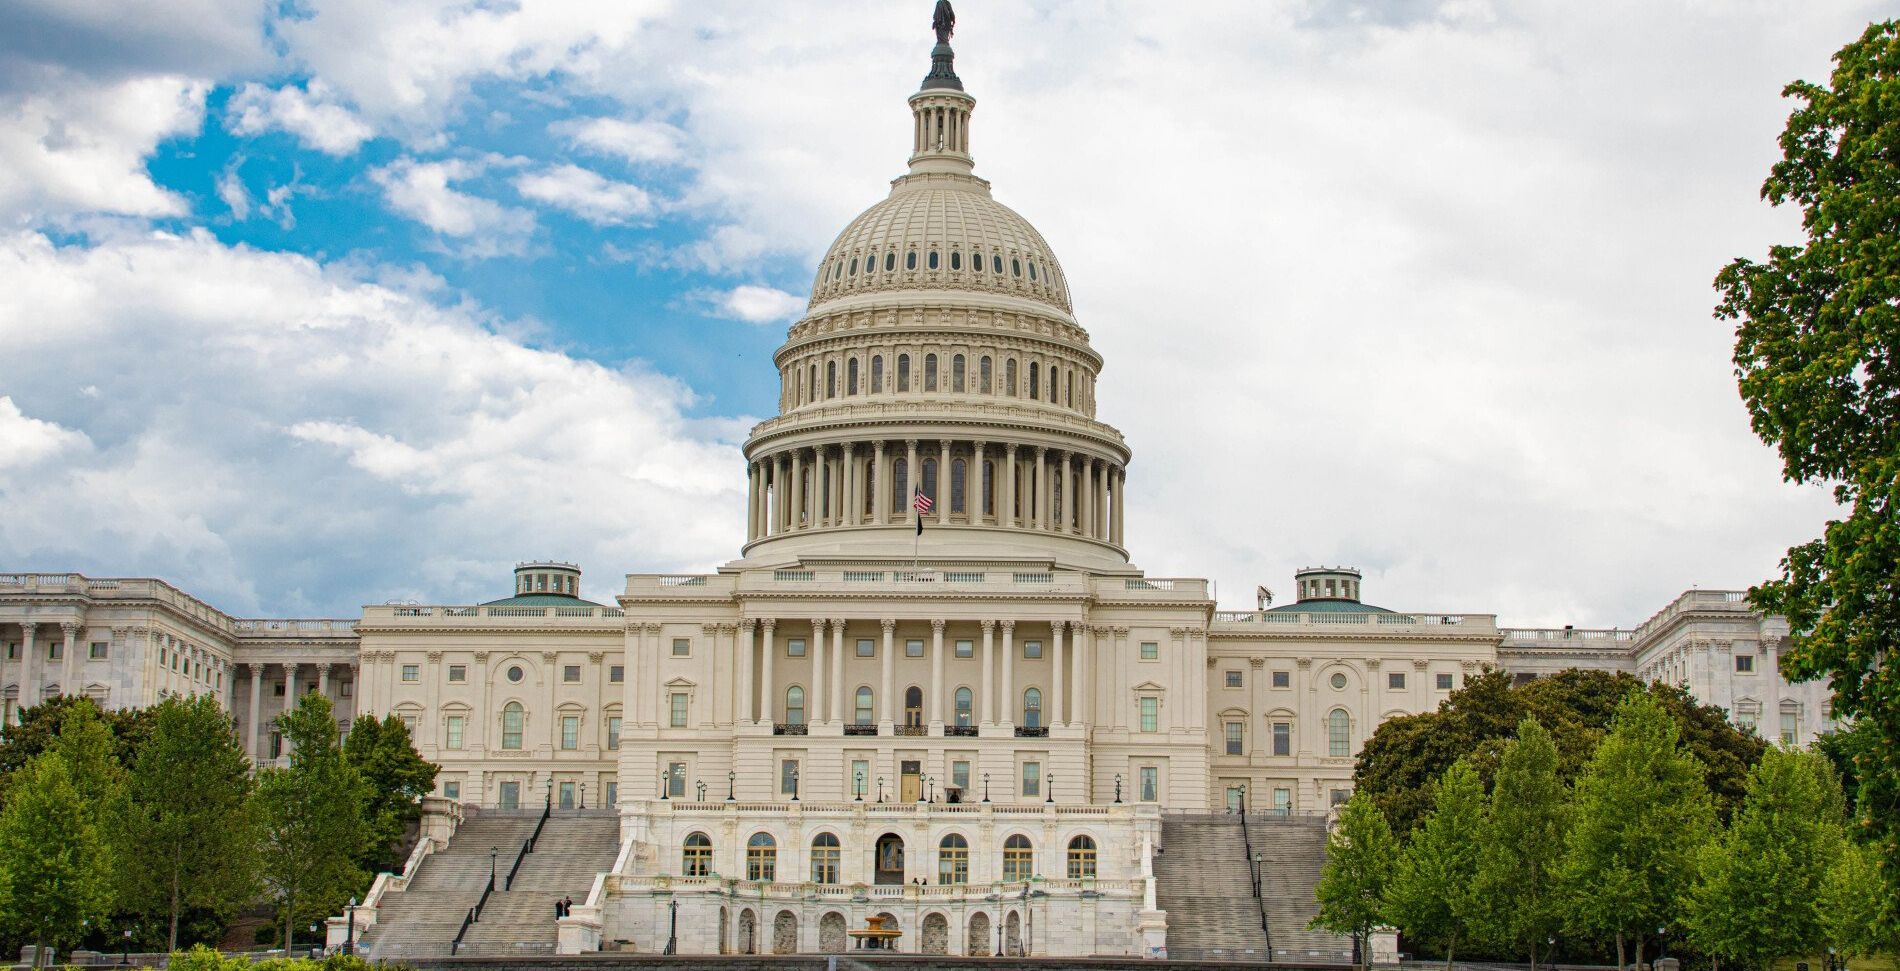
(542, 600)
(1327, 607)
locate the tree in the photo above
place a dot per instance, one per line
(397, 777)
(1758, 896)
(1641, 813)
(54, 875)
(41, 724)
(312, 812)
(190, 778)
(1523, 845)
(1430, 896)
(1817, 357)
(1360, 854)
(1857, 908)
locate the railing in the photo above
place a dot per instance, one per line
(860, 729)
(527, 845)
(959, 731)
(911, 731)
(685, 581)
(474, 915)
(1024, 731)
(417, 610)
(1253, 870)
(794, 576)
(790, 728)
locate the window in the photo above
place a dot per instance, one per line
(860, 778)
(913, 707)
(966, 648)
(1235, 737)
(960, 774)
(1283, 738)
(877, 374)
(913, 648)
(571, 674)
(1234, 680)
(677, 706)
(1744, 664)
(1150, 650)
(933, 259)
(1151, 714)
(956, 260)
(515, 674)
(1338, 733)
(570, 732)
(452, 790)
(963, 708)
(1395, 680)
(1150, 783)
(976, 262)
(930, 372)
(1338, 680)
(851, 376)
(864, 706)
(1032, 649)
(866, 648)
(956, 373)
(953, 860)
(794, 705)
(1019, 859)
(1282, 679)
(983, 375)
(1009, 377)
(1442, 682)
(511, 719)
(696, 856)
(682, 646)
(824, 858)
(411, 672)
(1032, 778)
(613, 793)
(959, 474)
(1789, 721)
(616, 674)
(613, 733)
(761, 858)
(276, 745)
(795, 647)
(1015, 267)
(1283, 802)
(458, 672)
(788, 777)
(903, 372)
(97, 651)
(1035, 380)
(910, 260)
(56, 650)
(452, 735)
(676, 780)
(1032, 708)
(996, 263)
(344, 688)
(1081, 858)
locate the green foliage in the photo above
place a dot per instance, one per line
(1857, 907)
(1523, 845)
(313, 814)
(41, 724)
(1758, 897)
(54, 875)
(1641, 813)
(1360, 854)
(202, 958)
(397, 776)
(1430, 896)
(189, 779)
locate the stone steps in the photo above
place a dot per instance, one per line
(1203, 881)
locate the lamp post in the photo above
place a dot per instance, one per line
(794, 783)
(493, 852)
(880, 789)
(673, 927)
(732, 780)
(999, 931)
(920, 793)
(665, 788)
(857, 787)
(1118, 788)
(1049, 788)
(1662, 948)
(125, 951)
(986, 798)
(583, 804)
(349, 930)
(316, 946)
(701, 786)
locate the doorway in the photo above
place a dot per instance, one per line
(567, 795)
(911, 780)
(889, 863)
(511, 795)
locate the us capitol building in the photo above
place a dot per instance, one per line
(853, 718)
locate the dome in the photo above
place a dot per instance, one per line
(941, 231)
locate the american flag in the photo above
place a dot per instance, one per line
(920, 502)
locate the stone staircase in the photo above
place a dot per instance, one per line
(1293, 850)
(574, 847)
(422, 919)
(1203, 882)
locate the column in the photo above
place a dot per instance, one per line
(323, 675)
(816, 701)
(797, 514)
(1088, 500)
(751, 501)
(250, 726)
(69, 660)
(768, 689)
(1006, 495)
(887, 685)
(1084, 665)
(936, 675)
(290, 685)
(746, 697)
(1058, 711)
(29, 664)
(853, 505)
(943, 484)
(880, 485)
(1121, 486)
(1008, 691)
(915, 475)
(1101, 502)
(837, 708)
(988, 689)
(1039, 519)
(782, 493)
(979, 453)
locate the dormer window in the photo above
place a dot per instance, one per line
(910, 260)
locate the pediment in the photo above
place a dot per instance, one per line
(1149, 687)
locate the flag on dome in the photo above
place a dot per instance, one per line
(922, 504)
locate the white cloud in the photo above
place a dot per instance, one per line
(585, 193)
(307, 112)
(78, 147)
(232, 192)
(264, 419)
(756, 304)
(632, 141)
(423, 191)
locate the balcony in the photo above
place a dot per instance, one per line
(959, 731)
(789, 728)
(1025, 731)
(860, 729)
(912, 731)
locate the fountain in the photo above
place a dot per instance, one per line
(875, 936)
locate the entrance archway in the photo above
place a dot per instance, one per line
(888, 861)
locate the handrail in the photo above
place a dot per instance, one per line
(1253, 870)
(527, 845)
(474, 915)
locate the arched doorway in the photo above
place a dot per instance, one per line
(831, 938)
(785, 933)
(1013, 933)
(888, 861)
(890, 921)
(978, 943)
(936, 934)
(748, 932)
(725, 928)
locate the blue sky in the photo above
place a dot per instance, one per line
(318, 303)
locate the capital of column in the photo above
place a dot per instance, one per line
(910, 443)
(818, 627)
(748, 623)
(837, 624)
(988, 625)
(71, 628)
(1420, 664)
(481, 657)
(597, 656)
(549, 657)
(936, 626)
(709, 629)
(768, 624)
(433, 656)
(888, 624)
(1008, 625)
(1303, 662)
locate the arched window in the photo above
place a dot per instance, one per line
(1338, 733)
(1019, 859)
(814, 382)
(903, 372)
(956, 373)
(824, 858)
(983, 375)
(1009, 377)
(511, 719)
(996, 263)
(890, 262)
(1032, 708)
(696, 856)
(864, 706)
(930, 372)
(870, 262)
(930, 480)
(1032, 271)
(1015, 266)
(854, 267)
(900, 484)
(1068, 388)
(851, 376)
(1055, 381)
(933, 259)
(910, 260)
(989, 488)
(877, 374)
(976, 261)
(953, 860)
(958, 469)
(1081, 858)
(761, 858)
(956, 260)
(1035, 384)
(831, 379)
(963, 708)
(913, 707)
(794, 705)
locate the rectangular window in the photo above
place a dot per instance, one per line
(1032, 649)
(571, 674)
(1150, 714)
(613, 733)
(458, 673)
(55, 650)
(913, 648)
(1234, 680)
(676, 780)
(613, 793)
(1282, 679)
(570, 732)
(1235, 737)
(860, 778)
(616, 674)
(682, 647)
(678, 702)
(452, 790)
(1442, 681)
(344, 688)
(1032, 778)
(1150, 783)
(452, 736)
(788, 777)
(1744, 664)
(866, 648)
(795, 647)
(966, 648)
(276, 745)
(98, 650)
(960, 774)
(13, 652)
(1283, 738)
(412, 672)
(1787, 728)
(1395, 680)
(1283, 801)
(1150, 650)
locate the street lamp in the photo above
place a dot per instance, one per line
(493, 852)
(673, 927)
(999, 932)
(986, 798)
(857, 787)
(794, 783)
(880, 789)
(1118, 788)
(665, 778)
(1049, 788)
(1662, 948)
(732, 780)
(583, 804)
(316, 947)
(920, 791)
(125, 952)
(701, 786)
(349, 931)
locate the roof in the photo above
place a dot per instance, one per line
(1322, 606)
(542, 600)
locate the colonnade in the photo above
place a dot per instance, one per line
(972, 483)
(255, 743)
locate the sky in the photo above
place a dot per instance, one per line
(310, 304)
